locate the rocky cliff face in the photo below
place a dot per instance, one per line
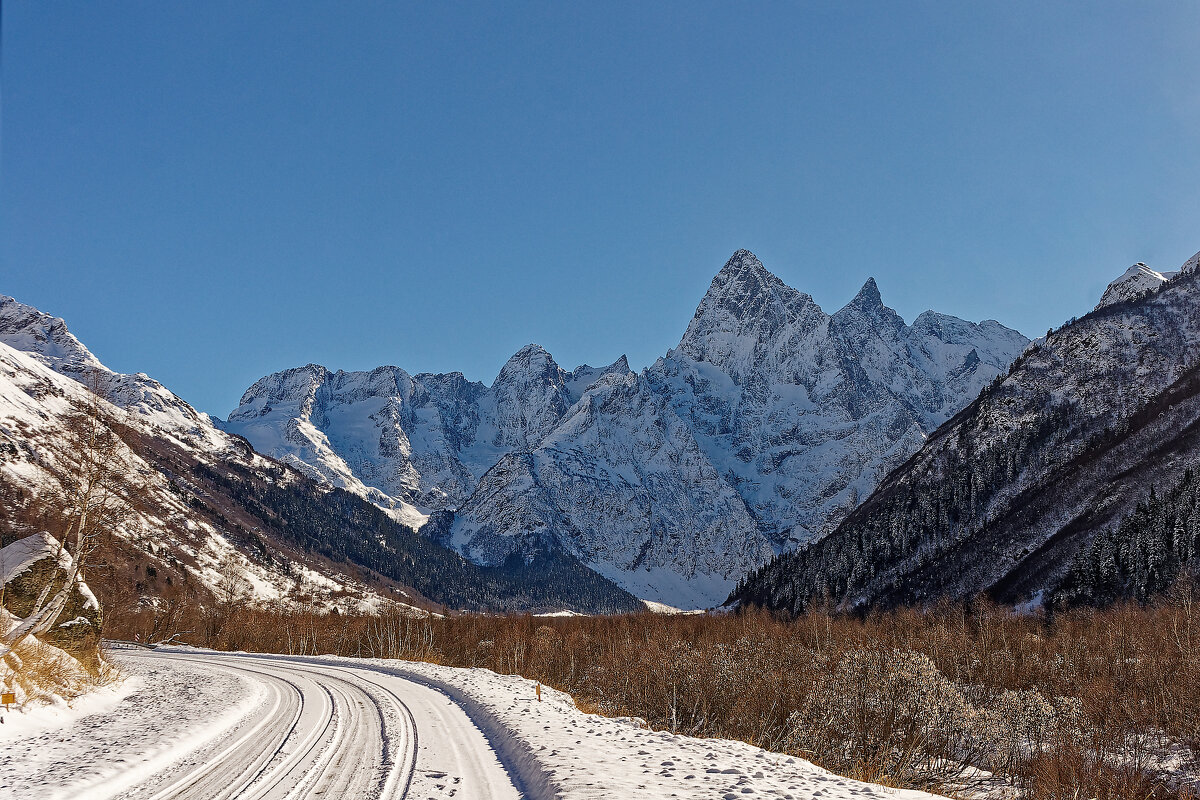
(804, 411)
(1004, 496)
(622, 484)
(758, 432)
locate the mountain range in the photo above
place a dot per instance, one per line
(792, 455)
(757, 433)
(1069, 479)
(213, 519)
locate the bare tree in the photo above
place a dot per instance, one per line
(96, 484)
(232, 589)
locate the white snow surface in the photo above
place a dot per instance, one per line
(203, 724)
(1136, 281)
(27, 551)
(46, 374)
(48, 720)
(756, 434)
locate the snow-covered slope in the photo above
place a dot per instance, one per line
(36, 407)
(758, 432)
(1004, 496)
(1136, 281)
(803, 411)
(46, 339)
(211, 514)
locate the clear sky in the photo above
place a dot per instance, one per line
(209, 192)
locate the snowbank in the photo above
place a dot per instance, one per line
(556, 750)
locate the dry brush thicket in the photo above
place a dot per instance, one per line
(1082, 704)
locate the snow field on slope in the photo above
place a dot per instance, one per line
(35, 404)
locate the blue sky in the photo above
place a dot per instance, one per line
(209, 192)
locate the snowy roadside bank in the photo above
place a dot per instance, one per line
(560, 751)
(182, 705)
(158, 716)
(36, 718)
(590, 756)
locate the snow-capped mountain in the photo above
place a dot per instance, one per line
(210, 510)
(803, 411)
(756, 433)
(1136, 281)
(411, 444)
(47, 340)
(623, 485)
(45, 375)
(1007, 495)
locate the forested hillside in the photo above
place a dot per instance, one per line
(1041, 469)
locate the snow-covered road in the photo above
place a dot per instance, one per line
(225, 726)
(260, 728)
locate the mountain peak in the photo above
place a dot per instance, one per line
(745, 308)
(24, 327)
(1135, 281)
(867, 309)
(741, 262)
(530, 360)
(743, 274)
(1191, 264)
(584, 376)
(744, 287)
(531, 351)
(868, 295)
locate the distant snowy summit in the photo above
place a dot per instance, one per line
(1139, 280)
(758, 432)
(47, 340)
(1136, 281)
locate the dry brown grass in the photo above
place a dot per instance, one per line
(40, 673)
(1077, 705)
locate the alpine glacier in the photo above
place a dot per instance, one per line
(757, 433)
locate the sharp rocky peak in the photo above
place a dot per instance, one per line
(744, 283)
(743, 263)
(868, 306)
(26, 328)
(531, 358)
(868, 295)
(743, 298)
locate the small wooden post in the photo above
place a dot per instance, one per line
(539, 691)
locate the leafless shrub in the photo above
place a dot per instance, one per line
(1073, 705)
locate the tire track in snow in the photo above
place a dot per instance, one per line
(315, 730)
